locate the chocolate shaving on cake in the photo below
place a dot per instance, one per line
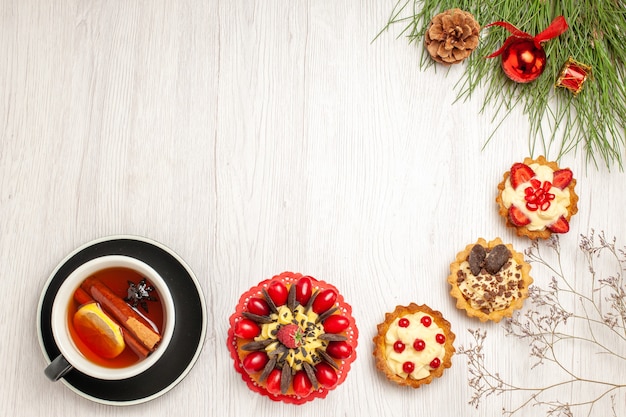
(327, 358)
(269, 301)
(285, 378)
(326, 314)
(280, 350)
(283, 355)
(269, 367)
(310, 373)
(257, 318)
(260, 345)
(292, 302)
(308, 305)
(476, 259)
(332, 337)
(492, 261)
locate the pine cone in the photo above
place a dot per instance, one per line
(452, 36)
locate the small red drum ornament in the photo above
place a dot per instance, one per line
(573, 76)
(523, 57)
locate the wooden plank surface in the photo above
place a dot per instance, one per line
(254, 137)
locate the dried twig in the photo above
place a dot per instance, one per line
(548, 322)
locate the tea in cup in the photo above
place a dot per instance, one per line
(111, 319)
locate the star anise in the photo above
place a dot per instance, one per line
(139, 294)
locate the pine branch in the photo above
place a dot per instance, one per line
(594, 121)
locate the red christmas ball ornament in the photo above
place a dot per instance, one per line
(523, 57)
(523, 61)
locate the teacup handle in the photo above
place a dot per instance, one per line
(58, 368)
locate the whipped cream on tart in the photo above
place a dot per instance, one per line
(489, 280)
(537, 198)
(413, 345)
(293, 338)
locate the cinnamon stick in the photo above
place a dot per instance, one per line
(81, 297)
(122, 312)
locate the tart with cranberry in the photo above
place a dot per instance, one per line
(293, 338)
(537, 198)
(413, 345)
(489, 280)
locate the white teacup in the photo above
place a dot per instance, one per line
(71, 357)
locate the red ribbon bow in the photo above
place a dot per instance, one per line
(558, 26)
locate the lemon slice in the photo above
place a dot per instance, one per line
(98, 331)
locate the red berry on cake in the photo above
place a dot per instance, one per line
(419, 345)
(324, 301)
(258, 306)
(302, 385)
(304, 290)
(272, 383)
(336, 324)
(255, 361)
(278, 293)
(408, 367)
(339, 349)
(247, 329)
(290, 335)
(326, 375)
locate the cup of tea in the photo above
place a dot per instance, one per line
(112, 319)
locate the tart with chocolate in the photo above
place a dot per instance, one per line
(293, 338)
(413, 345)
(537, 198)
(489, 280)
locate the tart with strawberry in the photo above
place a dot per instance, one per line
(293, 338)
(414, 345)
(489, 280)
(537, 198)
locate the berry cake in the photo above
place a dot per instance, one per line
(489, 280)
(413, 345)
(292, 338)
(537, 198)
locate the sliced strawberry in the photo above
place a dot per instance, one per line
(560, 226)
(517, 217)
(520, 173)
(562, 178)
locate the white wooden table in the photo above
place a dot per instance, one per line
(254, 137)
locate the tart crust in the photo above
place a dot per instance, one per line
(380, 346)
(496, 315)
(544, 233)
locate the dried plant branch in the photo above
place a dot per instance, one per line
(550, 320)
